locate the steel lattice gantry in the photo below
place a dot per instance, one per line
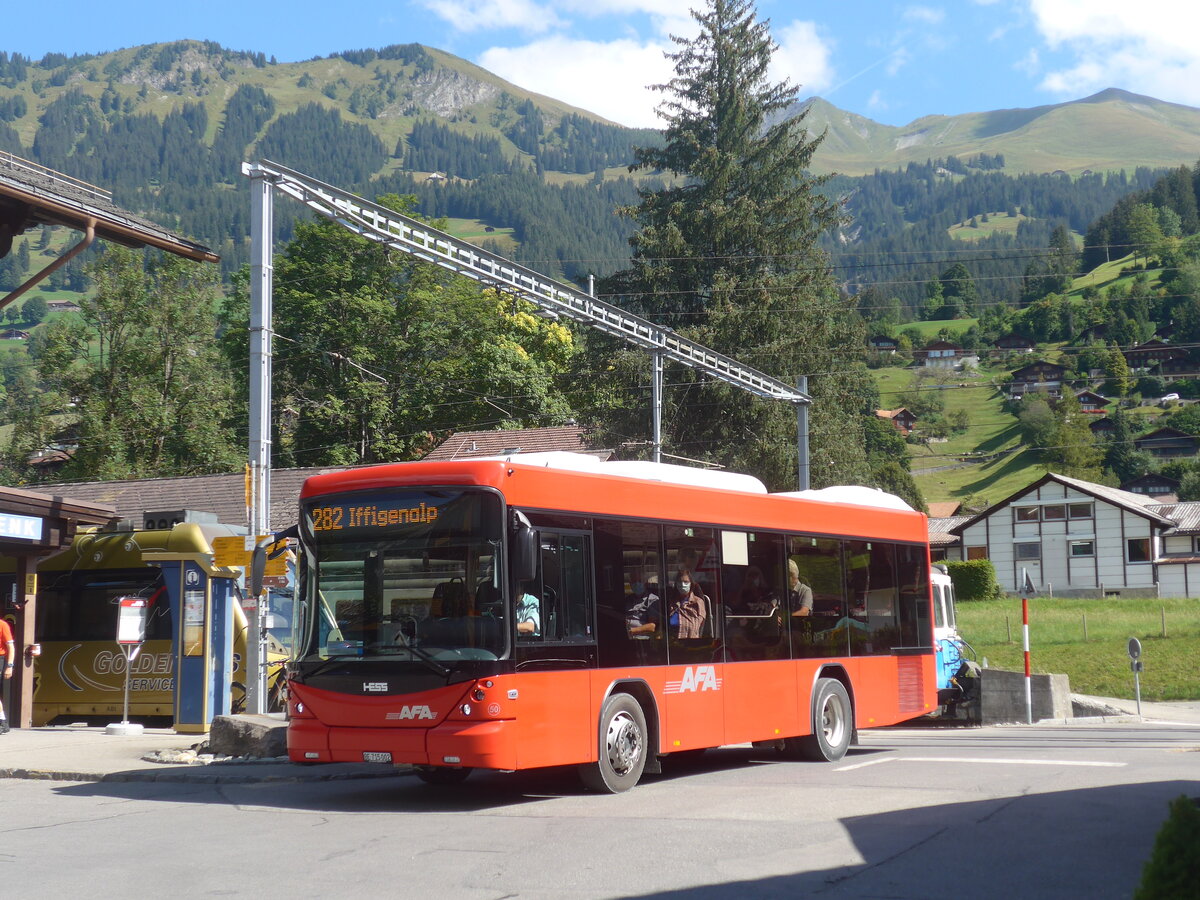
(553, 298)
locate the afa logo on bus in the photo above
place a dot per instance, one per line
(695, 678)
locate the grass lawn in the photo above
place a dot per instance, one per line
(928, 329)
(1110, 273)
(997, 222)
(991, 430)
(477, 232)
(1099, 665)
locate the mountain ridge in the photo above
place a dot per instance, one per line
(1105, 131)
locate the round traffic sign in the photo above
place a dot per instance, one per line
(1135, 648)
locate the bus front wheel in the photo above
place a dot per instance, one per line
(832, 724)
(622, 747)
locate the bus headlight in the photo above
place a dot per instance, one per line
(465, 709)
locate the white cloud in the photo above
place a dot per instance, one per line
(926, 14)
(477, 15)
(803, 57)
(876, 103)
(607, 78)
(1149, 47)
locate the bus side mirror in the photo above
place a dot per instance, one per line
(525, 544)
(259, 557)
(258, 564)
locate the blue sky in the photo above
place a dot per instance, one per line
(890, 61)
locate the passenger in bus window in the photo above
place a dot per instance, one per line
(800, 595)
(529, 614)
(688, 608)
(644, 614)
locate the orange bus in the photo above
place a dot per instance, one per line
(525, 612)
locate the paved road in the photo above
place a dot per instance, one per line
(1050, 811)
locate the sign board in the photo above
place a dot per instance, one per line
(1135, 648)
(131, 620)
(25, 528)
(235, 552)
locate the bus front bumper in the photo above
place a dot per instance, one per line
(483, 745)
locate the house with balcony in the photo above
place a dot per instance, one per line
(1167, 443)
(1037, 378)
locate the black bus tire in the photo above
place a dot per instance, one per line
(442, 774)
(832, 724)
(622, 747)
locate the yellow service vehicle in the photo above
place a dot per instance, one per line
(81, 671)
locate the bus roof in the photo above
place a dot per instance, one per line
(645, 490)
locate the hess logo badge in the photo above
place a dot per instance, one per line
(375, 687)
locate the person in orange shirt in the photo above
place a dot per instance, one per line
(10, 654)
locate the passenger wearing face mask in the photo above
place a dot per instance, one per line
(688, 607)
(645, 612)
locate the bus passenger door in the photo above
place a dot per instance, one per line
(693, 689)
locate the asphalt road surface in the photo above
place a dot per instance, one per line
(1066, 811)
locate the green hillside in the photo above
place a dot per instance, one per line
(1111, 130)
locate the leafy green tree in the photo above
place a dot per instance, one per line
(380, 356)
(1144, 231)
(1121, 457)
(727, 253)
(138, 372)
(958, 289)
(1117, 371)
(34, 310)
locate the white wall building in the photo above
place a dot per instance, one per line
(1077, 538)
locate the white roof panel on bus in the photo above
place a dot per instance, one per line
(853, 494)
(647, 471)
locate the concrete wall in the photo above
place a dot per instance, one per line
(1002, 696)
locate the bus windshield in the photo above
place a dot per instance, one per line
(411, 575)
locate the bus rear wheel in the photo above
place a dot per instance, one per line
(442, 774)
(832, 724)
(622, 747)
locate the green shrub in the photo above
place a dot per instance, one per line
(1173, 870)
(974, 579)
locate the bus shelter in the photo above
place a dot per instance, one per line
(33, 526)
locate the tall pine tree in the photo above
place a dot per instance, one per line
(727, 253)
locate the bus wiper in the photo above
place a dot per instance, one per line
(325, 665)
(428, 659)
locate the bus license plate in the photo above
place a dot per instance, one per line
(371, 756)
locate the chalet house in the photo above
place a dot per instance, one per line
(1097, 332)
(1076, 538)
(939, 353)
(1091, 402)
(1038, 377)
(1159, 357)
(469, 444)
(881, 343)
(943, 354)
(902, 420)
(62, 306)
(1160, 487)
(1102, 427)
(1014, 343)
(1167, 443)
(14, 334)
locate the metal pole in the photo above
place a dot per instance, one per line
(656, 387)
(261, 298)
(1028, 676)
(802, 466)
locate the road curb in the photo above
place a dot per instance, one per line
(194, 777)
